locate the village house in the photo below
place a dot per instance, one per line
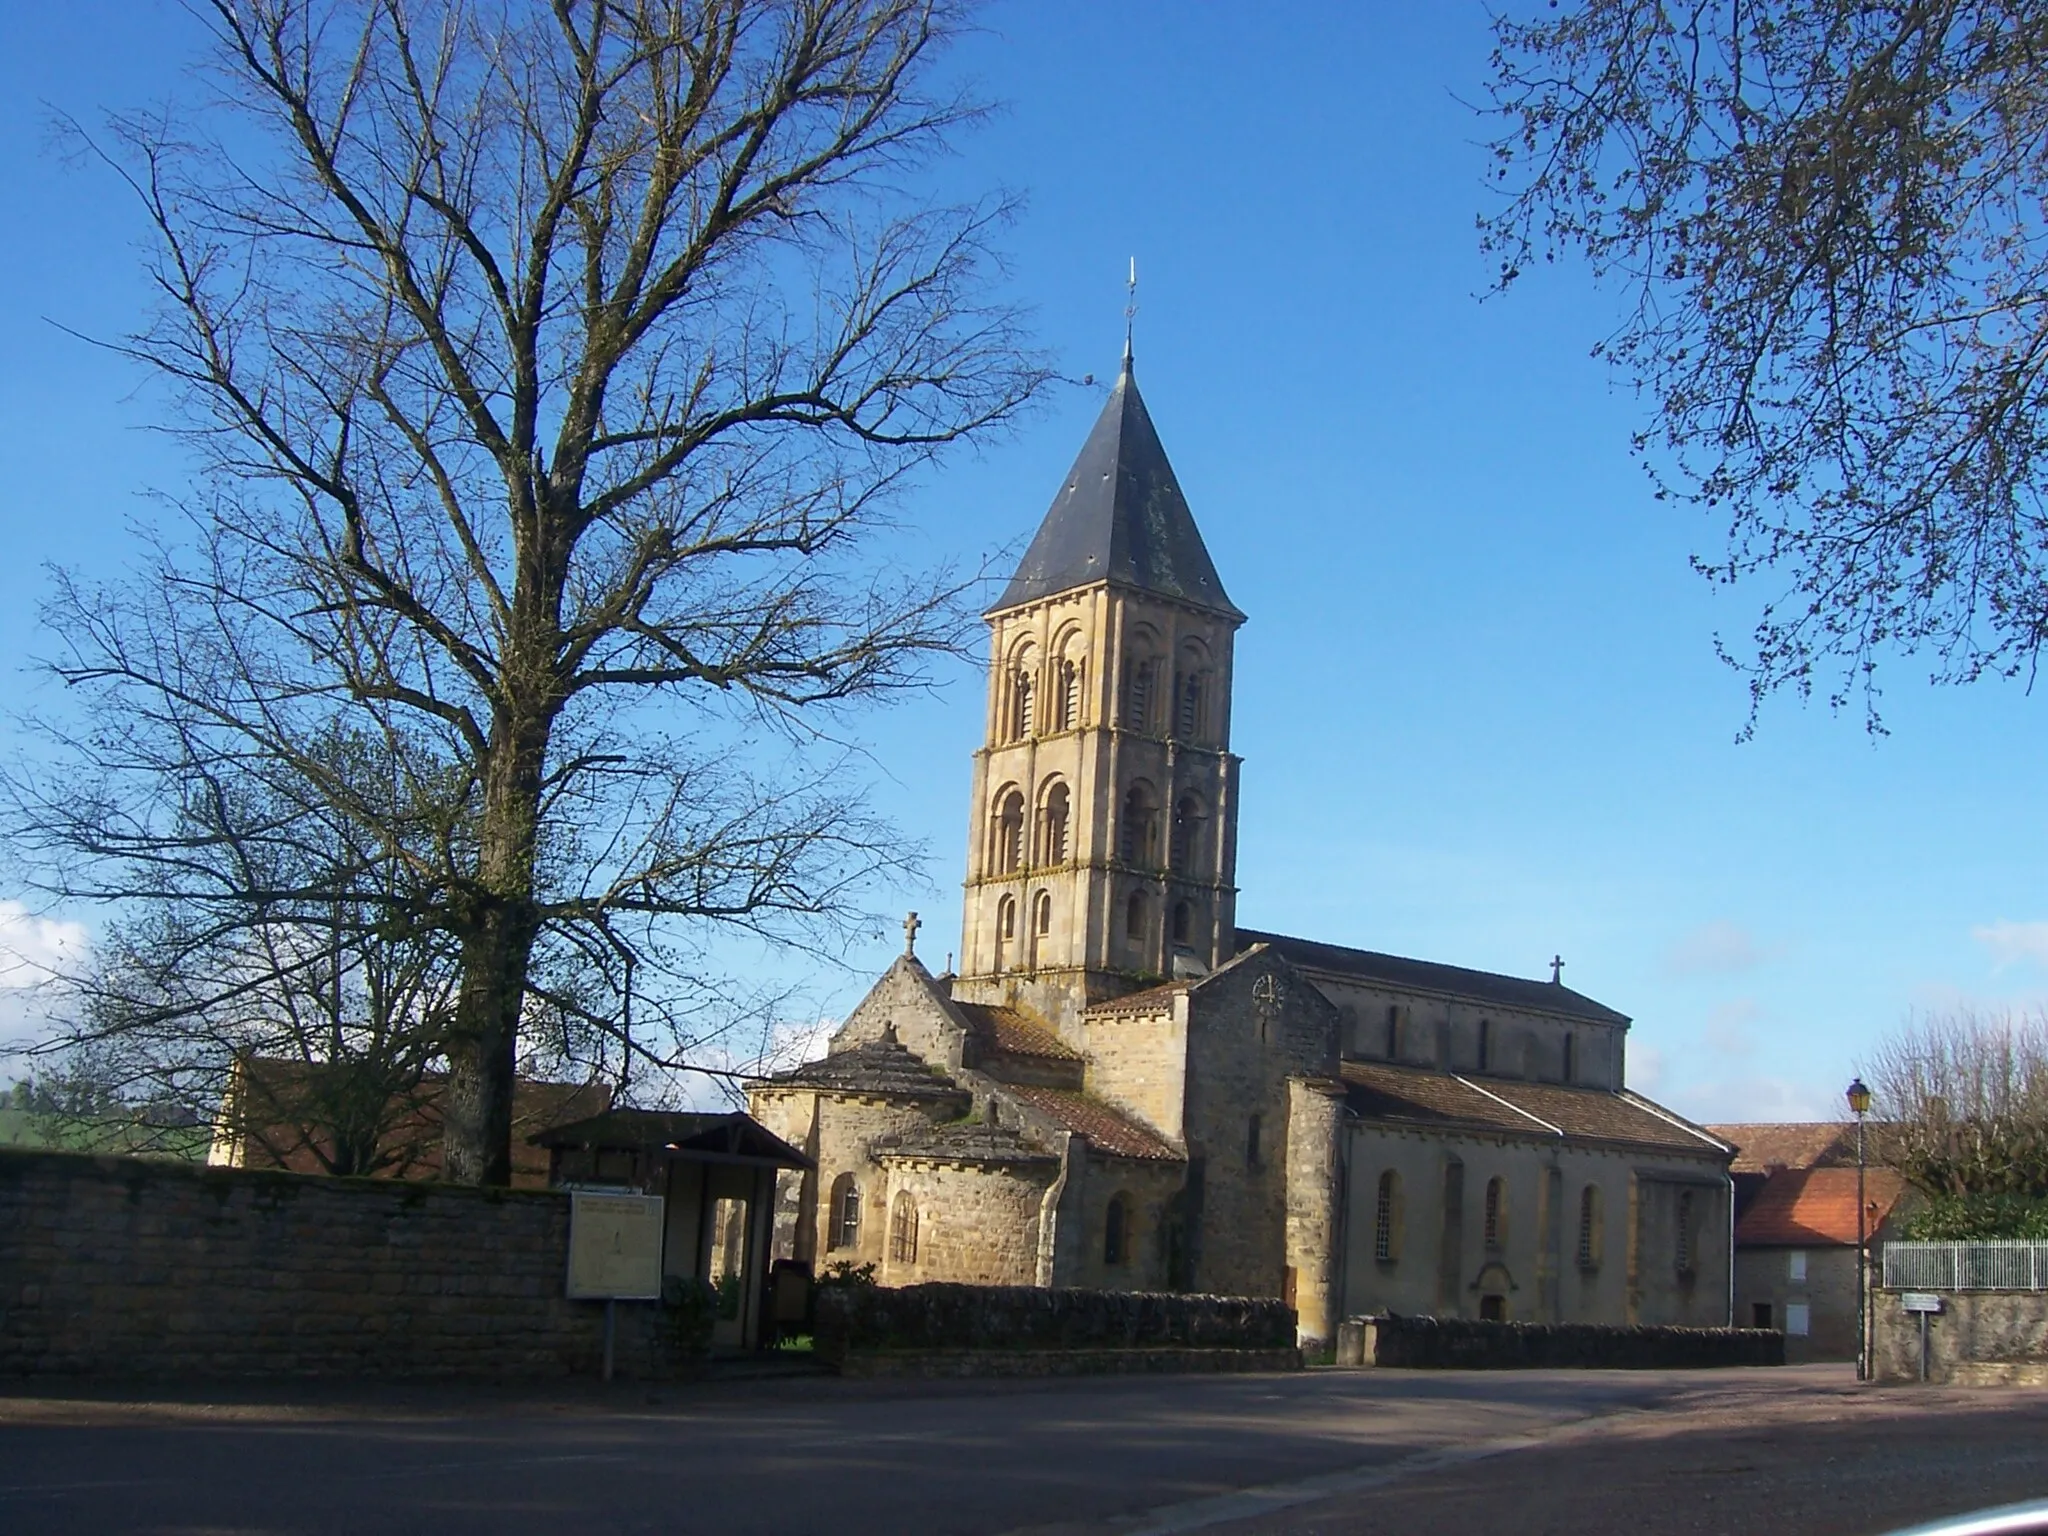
(1122, 1087)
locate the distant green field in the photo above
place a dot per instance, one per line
(60, 1133)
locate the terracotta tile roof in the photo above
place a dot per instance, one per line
(1815, 1207)
(1423, 1096)
(1793, 1144)
(880, 1068)
(1009, 1032)
(1151, 1000)
(1429, 976)
(727, 1134)
(1108, 1130)
(964, 1142)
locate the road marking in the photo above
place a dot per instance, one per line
(1200, 1514)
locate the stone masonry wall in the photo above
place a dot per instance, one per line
(1979, 1338)
(1448, 1343)
(123, 1266)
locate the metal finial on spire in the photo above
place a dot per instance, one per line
(1130, 313)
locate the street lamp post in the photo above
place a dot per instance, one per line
(1859, 1105)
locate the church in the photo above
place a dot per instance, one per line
(1120, 1087)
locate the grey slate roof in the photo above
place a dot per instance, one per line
(1428, 976)
(964, 1142)
(1120, 517)
(641, 1130)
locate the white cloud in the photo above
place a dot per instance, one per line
(1750, 1097)
(1719, 948)
(2011, 943)
(35, 953)
(1645, 1068)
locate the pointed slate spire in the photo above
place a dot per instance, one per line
(1120, 517)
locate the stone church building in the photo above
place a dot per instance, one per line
(1121, 1087)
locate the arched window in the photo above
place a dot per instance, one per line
(1066, 681)
(903, 1231)
(1138, 837)
(1010, 832)
(1496, 1215)
(1684, 1243)
(1041, 919)
(1006, 933)
(1134, 918)
(1386, 1231)
(1052, 824)
(1140, 686)
(1183, 921)
(1188, 816)
(1116, 1231)
(1023, 684)
(844, 1216)
(1589, 1227)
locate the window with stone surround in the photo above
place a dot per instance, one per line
(845, 1213)
(1116, 1231)
(1183, 921)
(1140, 687)
(1041, 922)
(1185, 846)
(1055, 803)
(1571, 1057)
(903, 1231)
(1009, 849)
(1138, 837)
(1386, 1220)
(1134, 918)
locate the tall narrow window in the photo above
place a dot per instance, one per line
(1188, 817)
(1138, 694)
(1006, 933)
(1010, 833)
(1020, 706)
(1684, 1242)
(1496, 1216)
(1251, 1142)
(903, 1231)
(1188, 727)
(1053, 825)
(1138, 837)
(1485, 1044)
(1041, 922)
(1385, 1238)
(1116, 1231)
(1069, 699)
(1571, 1057)
(1393, 1031)
(1134, 918)
(1183, 922)
(1589, 1227)
(844, 1216)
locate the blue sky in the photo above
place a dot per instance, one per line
(1478, 703)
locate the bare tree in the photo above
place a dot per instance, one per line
(1962, 1101)
(552, 364)
(1829, 217)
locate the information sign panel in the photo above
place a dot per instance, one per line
(1920, 1301)
(614, 1246)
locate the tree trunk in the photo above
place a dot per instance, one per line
(476, 1125)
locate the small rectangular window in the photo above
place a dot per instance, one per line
(1795, 1266)
(1797, 1319)
(1760, 1314)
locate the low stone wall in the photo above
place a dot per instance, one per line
(1466, 1344)
(128, 1267)
(870, 1329)
(1979, 1338)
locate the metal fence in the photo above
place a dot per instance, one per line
(1988, 1266)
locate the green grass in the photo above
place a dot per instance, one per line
(34, 1131)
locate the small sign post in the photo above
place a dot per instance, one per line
(614, 1253)
(1924, 1305)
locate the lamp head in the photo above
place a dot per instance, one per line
(1859, 1099)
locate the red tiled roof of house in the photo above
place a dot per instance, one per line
(1816, 1207)
(1793, 1144)
(1009, 1032)
(1107, 1129)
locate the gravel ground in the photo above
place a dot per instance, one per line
(1852, 1461)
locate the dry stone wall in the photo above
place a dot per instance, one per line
(128, 1267)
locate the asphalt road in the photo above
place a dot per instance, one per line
(1162, 1455)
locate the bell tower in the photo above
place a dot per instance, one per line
(1102, 842)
